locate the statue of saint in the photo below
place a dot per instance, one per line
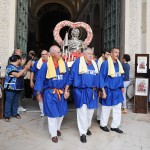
(74, 43)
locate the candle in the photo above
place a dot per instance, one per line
(63, 50)
(66, 39)
(72, 57)
(69, 57)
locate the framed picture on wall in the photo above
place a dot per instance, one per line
(141, 65)
(141, 87)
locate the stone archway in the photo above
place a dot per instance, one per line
(67, 4)
(47, 22)
(46, 19)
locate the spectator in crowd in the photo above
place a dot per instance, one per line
(13, 85)
(105, 55)
(126, 67)
(19, 52)
(31, 58)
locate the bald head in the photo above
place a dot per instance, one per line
(53, 49)
(55, 52)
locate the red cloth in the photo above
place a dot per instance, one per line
(56, 64)
(89, 63)
(44, 60)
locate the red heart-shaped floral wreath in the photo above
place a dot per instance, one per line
(72, 25)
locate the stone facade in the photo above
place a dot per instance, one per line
(7, 33)
(4, 39)
(134, 30)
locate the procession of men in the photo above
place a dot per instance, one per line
(95, 84)
(90, 86)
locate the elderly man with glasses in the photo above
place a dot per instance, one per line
(34, 72)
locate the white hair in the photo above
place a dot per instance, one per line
(88, 49)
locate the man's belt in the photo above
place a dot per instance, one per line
(93, 88)
(58, 92)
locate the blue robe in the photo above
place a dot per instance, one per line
(113, 86)
(53, 107)
(84, 86)
(34, 69)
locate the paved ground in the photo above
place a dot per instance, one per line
(31, 133)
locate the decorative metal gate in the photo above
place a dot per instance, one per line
(112, 24)
(22, 25)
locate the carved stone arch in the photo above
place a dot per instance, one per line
(38, 4)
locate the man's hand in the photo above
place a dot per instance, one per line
(32, 84)
(102, 94)
(66, 94)
(23, 61)
(27, 67)
(122, 90)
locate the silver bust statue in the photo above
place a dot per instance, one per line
(74, 43)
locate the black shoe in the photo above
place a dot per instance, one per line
(83, 138)
(58, 133)
(98, 121)
(104, 128)
(7, 119)
(116, 130)
(55, 139)
(88, 132)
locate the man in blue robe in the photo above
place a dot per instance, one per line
(111, 83)
(105, 55)
(34, 73)
(84, 79)
(52, 78)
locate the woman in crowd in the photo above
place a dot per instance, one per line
(13, 85)
(126, 67)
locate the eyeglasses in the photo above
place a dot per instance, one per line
(43, 54)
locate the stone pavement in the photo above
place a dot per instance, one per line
(31, 133)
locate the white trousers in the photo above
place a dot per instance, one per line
(54, 124)
(116, 112)
(99, 111)
(84, 118)
(124, 103)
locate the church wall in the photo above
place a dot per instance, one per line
(148, 29)
(132, 31)
(7, 31)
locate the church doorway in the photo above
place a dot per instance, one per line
(47, 18)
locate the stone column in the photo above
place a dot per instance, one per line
(12, 26)
(7, 34)
(131, 30)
